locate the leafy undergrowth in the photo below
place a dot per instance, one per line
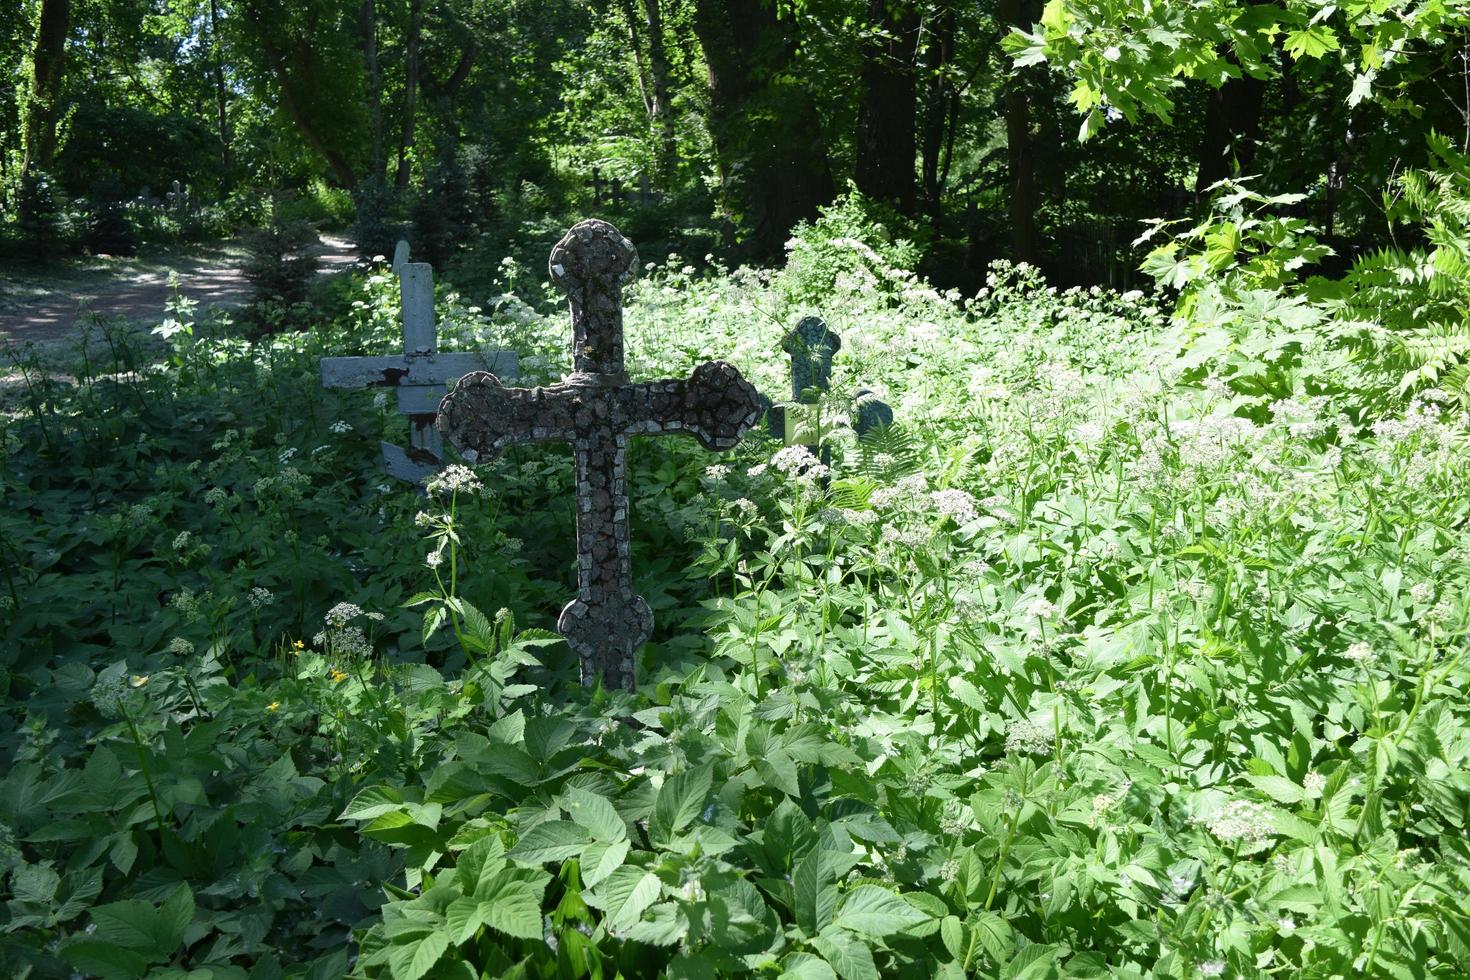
(1118, 656)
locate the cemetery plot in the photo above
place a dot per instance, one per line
(596, 409)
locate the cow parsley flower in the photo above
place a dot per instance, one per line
(957, 505)
(341, 613)
(1028, 738)
(1358, 652)
(341, 427)
(1242, 820)
(455, 479)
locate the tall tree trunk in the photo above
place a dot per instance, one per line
(663, 108)
(1232, 131)
(636, 44)
(887, 110)
(410, 89)
(49, 65)
(765, 125)
(378, 161)
(220, 98)
(1020, 156)
(941, 102)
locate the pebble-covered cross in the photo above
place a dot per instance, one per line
(596, 408)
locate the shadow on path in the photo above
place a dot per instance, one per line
(142, 300)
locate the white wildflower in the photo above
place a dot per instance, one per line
(341, 427)
(1242, 820)
(957, 505)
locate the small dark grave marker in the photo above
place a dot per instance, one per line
(420, 374)
(812, 345)
(596, 408)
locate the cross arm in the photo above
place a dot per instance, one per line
(715, 405)
(401, 370)
(480, 416)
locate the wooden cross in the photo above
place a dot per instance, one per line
(596, 409)
(420, 374)
(812, 346)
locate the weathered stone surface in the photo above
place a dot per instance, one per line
(596, 409)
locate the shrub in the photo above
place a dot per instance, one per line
(376, 228)
(278, 263)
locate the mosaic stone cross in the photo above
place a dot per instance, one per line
(596, 409)
(420, 374)
(812, 346)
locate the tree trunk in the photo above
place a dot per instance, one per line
(1232, 131)
(663, 109)
(410, 89)
(767, 133)
(1020, 155)
(941, 102)
(378, 161)
(49, 65)
(220, 97)
(886, 112)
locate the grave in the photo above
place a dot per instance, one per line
(812, 345)
(420, 375)
(596, 409)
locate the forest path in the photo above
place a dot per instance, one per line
(137, 291)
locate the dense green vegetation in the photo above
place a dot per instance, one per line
(1130, 651)
(1135, 648)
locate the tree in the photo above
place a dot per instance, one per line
(767, 132)
(48, 64)
(1020, 148)
(888, 111)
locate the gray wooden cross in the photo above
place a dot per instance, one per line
(420, 374)
(596, 409)
(812, 346)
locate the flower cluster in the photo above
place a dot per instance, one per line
(454, 479)
(1242, 820)
(1025, 737)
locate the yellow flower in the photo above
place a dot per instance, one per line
(273, 706)
(139, 680)
(298, 645)
(337, 676)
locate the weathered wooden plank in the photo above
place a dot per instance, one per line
(398, 463)
(421, 400)
(417, 282)
(394, 370)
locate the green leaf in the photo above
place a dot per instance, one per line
(1310, 42)
(815, 886)
(433, 619)
(1279, 788)
(554, 840)
(413, 959)
(623, 896)
(805, 966)
(994, 935)
(600, 860)
(1031, 963)
(595, 814)
(105, 960)
(680, 800)
(514, 909)
(876, 911)
(373, 802)
(479, 865)
(849, 956)
(174, 918)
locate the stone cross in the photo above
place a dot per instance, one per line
(596, 408)
(812, 346)
(420, 374)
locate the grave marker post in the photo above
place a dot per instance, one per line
(596, 409)
(420, 374)
(812, 346)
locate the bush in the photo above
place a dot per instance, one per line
(278, 262)
(110, 231)
(376, 228)
(442, 212)
(39, 217)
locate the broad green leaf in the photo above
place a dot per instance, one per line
(514, 909)
(1310, 42)
(600, 860)
(102, 959)
(1279, 788)
(623, 896)
(373, 802)
(595, 814)
(413, 959)
(994, 935)
(815, 887)
(805, 966)
(876, 911)
(554, 840)
(680, 800)
(849, 955)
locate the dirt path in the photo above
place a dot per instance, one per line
(141, 297)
